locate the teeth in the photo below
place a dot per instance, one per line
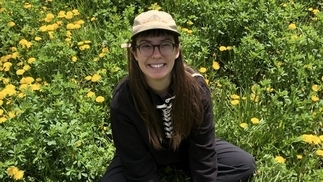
(156, 65)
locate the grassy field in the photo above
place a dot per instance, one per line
(60, 61)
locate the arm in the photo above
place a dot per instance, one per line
(136, 160)
(202, 153)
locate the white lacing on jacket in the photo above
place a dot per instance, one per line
(166, 113)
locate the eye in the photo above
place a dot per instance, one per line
(145, 46)
(166, 45)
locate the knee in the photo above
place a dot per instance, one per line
(250, 164)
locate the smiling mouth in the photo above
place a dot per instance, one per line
(156, 65)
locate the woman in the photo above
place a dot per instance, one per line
(161, 114)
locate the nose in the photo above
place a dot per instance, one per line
(156, 52)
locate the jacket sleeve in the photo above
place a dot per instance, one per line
(202, 153)
(137, 162)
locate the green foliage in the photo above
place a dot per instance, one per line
(262, 60)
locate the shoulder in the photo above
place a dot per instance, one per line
(200, 80)
(197, 76)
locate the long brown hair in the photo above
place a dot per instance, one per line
(187, 110)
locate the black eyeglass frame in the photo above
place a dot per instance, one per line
(156, 45)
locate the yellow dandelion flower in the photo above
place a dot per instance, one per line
(216, 65)
(243, 125)
(2, 95)
(18, 175)
(35, 86)
(207, 81)
(292, 26)
(26, 67)
(84, 47)
(284, 5)
(70, 26)
(280, 159)
(189, 22)
(74, 58)
(314, 98)
(254, 120)
(11, 114)
(310, 9)
(51, 35)
(254, 97)
(189, 31)
(90, 94)
(315, 88)
(299, 156)
(43, 28)
(12, 170)
(69, 15)
(27, 80)
(7, 66)
(202, 70)
(93, 19)
(25, 43)
(154, 6)
(229, 48)
(27, 5)
(80, 22)
(49, 17)
(31, 60)
(1, 112)
(102, 54)
(68, 33)
(3, 119)
(319, 152)
(235, 96)
(15, 55)
(95, 78)
(315, 11)
(21, 95)
(105, 50)
(75, 12)
(20, 72)
(321, 137)
(61, 14)
(59, 23)
(311, 139)
(11, 24)
(6, 81)
(223, 48)
(99, 99)
(269, 89)
(38, 38)
(50, 27)
(88, 78)
(234, 102)
(13, 49)
(78, 144)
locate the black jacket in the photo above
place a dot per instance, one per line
(138, 157)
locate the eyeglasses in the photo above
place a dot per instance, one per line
(147, 49)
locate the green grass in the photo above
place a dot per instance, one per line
(53, 70)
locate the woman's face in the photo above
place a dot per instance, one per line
(156, 57)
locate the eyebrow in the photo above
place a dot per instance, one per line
(166, 39)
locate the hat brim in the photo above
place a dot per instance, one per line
(153, 26)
